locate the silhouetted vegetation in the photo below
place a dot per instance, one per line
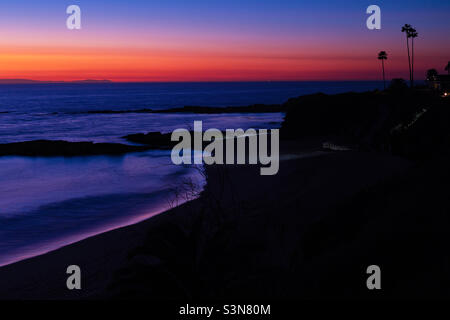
(383, 56)
(413, 124)
(431, 73)
(406, 28)
(410, 32)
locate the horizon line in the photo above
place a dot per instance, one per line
(103, 81)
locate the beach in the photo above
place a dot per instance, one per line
(244, 229)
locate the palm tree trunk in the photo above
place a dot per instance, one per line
(409, 59)
(384, 79)
(412, 62)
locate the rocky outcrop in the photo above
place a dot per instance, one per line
(65, 148)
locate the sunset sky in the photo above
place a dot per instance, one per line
(174, 40)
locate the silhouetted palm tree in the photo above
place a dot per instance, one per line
(383, 56)
(406, 28)
(412, 34)
(447, 67)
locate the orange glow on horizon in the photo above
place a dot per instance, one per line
(121, 64)
(206, 61)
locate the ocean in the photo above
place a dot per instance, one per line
(49, 202)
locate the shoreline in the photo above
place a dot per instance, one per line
(84, 251)
(74, 239)
(102, 256)
(307, 153)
